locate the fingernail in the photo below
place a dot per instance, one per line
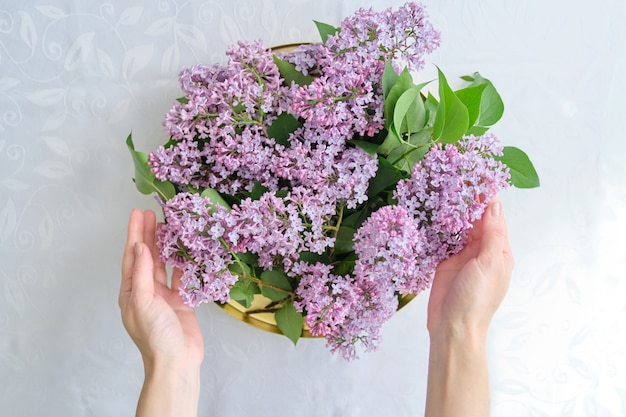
(138, 249)
(496, 209)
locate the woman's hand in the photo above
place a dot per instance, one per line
(470, 285)
(467, 290)
(164, 329)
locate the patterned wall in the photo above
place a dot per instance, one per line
(77, 77)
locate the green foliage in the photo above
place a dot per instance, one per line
(387, 176)
(289, 72)
(284, 125)
(368, 147)
(523, 173)
(258, 190)
(289, 321)
(491, 105)
(144, 179)
(343, 242)
(409, 114)
(452, 120)
(390, 78)
(276, 278)
(243, 291)
(215, 197)
(471, 97)
(325, 30)
(402, 83)
(414, 121)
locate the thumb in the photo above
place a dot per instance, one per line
(493, 238)
(143, 270)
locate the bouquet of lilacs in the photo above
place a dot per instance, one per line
(324, 179)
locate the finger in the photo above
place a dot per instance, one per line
(492, 242)
(150, 225)
(143, 271)
(160, 273)
(507, 250)
(177, 279)
(134, 235)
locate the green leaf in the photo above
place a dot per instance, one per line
(144, 179)
(472, 97)
(368, 147)
(248, 258)
(452, 120)
(405, 156)
(431, 105)
(215, 197)
(243, 291)
(313, 258)
(477, 130)
(403, 83)
(238, 268)
(346, 266)
(289, 321)
(523, 173)
(421, 138)
(284, 125)
(278, 279)
(390, 77)
(491, 105)
(390, 143)
(325, 30)
(258, 190)
(409, 113)
(289, 72)
(344, 243)
(387, 176)
(183, 100)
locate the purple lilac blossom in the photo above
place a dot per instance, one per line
(228, 111)
(403, 35)
(345, 310)
(191, 240)
(269, 227)
(346, 92)
(392, 250)
(450, 188)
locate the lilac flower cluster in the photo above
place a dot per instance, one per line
(346, 93)
(450, 188)
(219, 140)
(346, 310)
(219, 130)
(191, 240)
(202, 238)
(352, 308)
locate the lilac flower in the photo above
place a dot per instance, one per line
(347, 311)
(443, 191)
(192, 240)
(227, 111)
(269, 227)
(403, 35)
(391, 249)
(339, 174)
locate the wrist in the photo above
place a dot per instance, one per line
(171, 388)
(462, 333)
(458, 380)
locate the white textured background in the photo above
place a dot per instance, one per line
(77, 77)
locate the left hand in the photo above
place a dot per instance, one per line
(164, 329)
